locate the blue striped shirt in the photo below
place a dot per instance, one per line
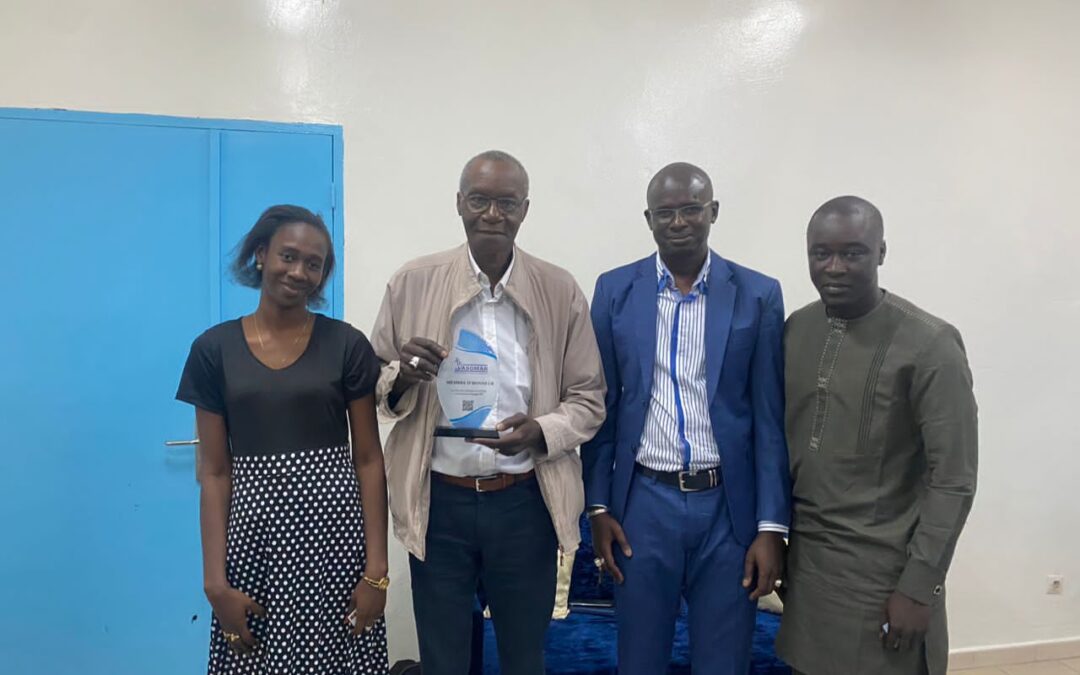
(678, 434)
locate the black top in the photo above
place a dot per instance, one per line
(300, 407)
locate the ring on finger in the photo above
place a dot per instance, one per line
(599, 562)
(414, 362)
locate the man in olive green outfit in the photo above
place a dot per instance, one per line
(882, 435)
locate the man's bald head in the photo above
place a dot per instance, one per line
(854, 209)
(680, 215)
(845, 245)
(680, 176)
(493, 156)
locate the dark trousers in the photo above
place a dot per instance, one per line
(503, 541)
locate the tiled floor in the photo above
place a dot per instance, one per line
(1068, 667)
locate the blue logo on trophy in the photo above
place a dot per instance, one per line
(467, 387)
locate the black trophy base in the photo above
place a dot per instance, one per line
(465, 432)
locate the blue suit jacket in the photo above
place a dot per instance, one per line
(744, 368)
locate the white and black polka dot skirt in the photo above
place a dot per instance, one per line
(295, 545)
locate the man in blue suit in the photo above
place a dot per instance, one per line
(687, 482)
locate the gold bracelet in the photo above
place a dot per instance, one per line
(377, 584)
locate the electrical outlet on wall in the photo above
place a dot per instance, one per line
(1055, 584)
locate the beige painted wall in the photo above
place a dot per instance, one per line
(959, 119)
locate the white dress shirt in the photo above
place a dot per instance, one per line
(495, 317)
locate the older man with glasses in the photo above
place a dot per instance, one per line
(491, 511)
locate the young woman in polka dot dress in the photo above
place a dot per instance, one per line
(293, 514)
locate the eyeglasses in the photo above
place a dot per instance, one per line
(688, 213)
(481, 203)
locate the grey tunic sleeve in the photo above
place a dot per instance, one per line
(945, 413)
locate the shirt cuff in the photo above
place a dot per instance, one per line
(769, 526)
(552, 427)
(385, 386)
(921, 582)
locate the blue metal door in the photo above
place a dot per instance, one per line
(294, 168)
(116, 231)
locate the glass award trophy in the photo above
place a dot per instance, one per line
(467, 387)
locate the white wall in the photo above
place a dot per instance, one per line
(959, 119)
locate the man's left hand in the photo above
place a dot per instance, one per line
(765, 559)
(908, 622)
(526, 434)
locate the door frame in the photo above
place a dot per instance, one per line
(334, 131)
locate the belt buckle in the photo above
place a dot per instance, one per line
(682, 481)
(713, 480)
(479, 480)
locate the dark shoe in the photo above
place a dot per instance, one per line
(406, 667)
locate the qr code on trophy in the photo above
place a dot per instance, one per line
(467, 405)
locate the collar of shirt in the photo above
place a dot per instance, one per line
(665, 280)
(483, 278)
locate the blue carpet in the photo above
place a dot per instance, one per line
(584, 644)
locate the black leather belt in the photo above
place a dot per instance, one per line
(687, 481)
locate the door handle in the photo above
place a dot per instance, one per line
(173, 444)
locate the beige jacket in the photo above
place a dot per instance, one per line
(567, 381)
